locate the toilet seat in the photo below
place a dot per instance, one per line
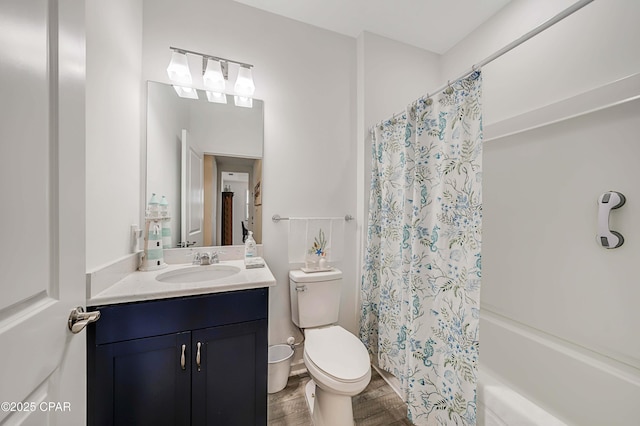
(337, 353)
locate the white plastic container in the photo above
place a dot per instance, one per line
(279, 367)
(250, 249)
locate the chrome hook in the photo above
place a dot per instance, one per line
(449, 89)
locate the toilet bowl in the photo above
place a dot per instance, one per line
(338, 364)
(336, 360)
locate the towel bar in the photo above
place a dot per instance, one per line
(276, 218)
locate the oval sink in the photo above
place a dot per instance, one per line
(196, 274)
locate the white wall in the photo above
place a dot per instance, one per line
(393, 75)
(558, 311)
(306, 77)
(114, 122)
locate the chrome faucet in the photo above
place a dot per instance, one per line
(206, 258)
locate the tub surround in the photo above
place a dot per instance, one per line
(559, 332)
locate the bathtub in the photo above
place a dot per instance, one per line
(498, 405)
(529, 377)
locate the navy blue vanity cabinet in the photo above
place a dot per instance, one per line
(199, 360)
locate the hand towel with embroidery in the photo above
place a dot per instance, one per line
(315, 238)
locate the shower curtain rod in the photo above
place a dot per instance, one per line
(534, 32)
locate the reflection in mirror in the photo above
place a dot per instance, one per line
(206, 158)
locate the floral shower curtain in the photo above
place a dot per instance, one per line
(422, 268)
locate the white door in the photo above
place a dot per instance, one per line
(42, 258)
(192, 192)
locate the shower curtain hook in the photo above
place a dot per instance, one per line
(429, 101)
(449, 89)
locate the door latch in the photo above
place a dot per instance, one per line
(78, 319)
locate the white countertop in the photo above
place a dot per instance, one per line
(140, 286)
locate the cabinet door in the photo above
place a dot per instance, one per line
(142, 382)
(230, 388)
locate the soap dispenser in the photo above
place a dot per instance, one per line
(166, 224)
(153, 208)
(164, 207)
(250, 249)
(153, 256)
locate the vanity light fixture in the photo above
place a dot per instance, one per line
(186, 92)
(215, 72)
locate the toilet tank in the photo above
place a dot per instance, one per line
(315, 297)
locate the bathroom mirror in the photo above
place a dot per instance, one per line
(206, 159)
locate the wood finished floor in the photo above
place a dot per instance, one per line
(377, 405)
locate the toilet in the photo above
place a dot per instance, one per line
(336, 360)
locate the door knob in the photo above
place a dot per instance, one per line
(78, 319)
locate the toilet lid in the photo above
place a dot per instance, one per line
(337, 352)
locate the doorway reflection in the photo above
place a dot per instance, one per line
(232, 194)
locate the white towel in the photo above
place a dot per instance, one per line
(313, 238)
(253, 262)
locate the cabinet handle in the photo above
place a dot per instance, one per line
(198, 356)
(182, 360)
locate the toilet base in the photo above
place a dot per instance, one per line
(328, 409)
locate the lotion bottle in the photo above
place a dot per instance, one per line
(250, 249)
